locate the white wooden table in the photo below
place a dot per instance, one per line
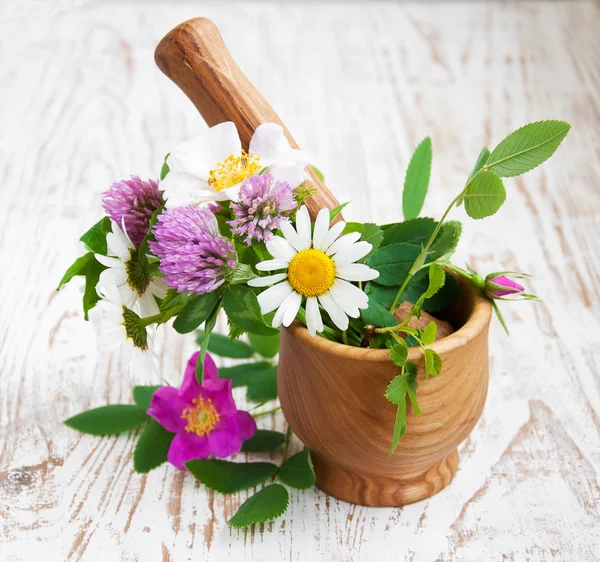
(359, 84)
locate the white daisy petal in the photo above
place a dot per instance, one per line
(314, 322)
(352, 253)
(147, 305)
(291, 174)
(290, 234)
(109, 261)
(270, 299)
(332, 234)
(303, 227)
(272, 265)
(356, 272)
(334, 310)
(321, 228)
(281, 249)
(269, 142)
(295, 299)
(266, 281)
(351, 293)
(347, 305)
(342, 243)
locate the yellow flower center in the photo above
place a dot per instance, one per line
(311, 273)
(233, 170)
(202, 418)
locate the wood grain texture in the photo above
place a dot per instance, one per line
(195, 57)
(360, 85)
(330, 394)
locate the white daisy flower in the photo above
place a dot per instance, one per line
(120, 327)
(212, 166)
(125, 272)
(318, 270)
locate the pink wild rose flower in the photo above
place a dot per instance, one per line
(204, 418)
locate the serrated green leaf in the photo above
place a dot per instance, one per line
(221, 345)
(337, 210)
(263, 440)
(266, 346)
(399, 353)
(196, 311)
(414, 231)
(241, 375)
(446, 241)
(399, 425)
(262, 386)
(437, 277)
(165, 168)
(241, 306)
(484, 195)
(78, 267)
(444, 299)
(480, 163)
(108, 420)
(228, 477)
(92, 276)
(369, 232)
(429, 333)
(396, 390)
(402, 386)
(433, 363)
(95, 237)
(393, 262)
(263, 506)
(416, 181)
(527, 147)
(377, 315)
(298, 471)
(152, 447)
(143, 394)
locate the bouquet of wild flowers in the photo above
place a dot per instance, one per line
(226, 229)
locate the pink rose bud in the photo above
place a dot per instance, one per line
(501, 285)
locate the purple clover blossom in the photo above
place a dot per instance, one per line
(263, 202)
(193, 255)
(132, 202)
(501, 286)
(204, 418)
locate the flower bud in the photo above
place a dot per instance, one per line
(499, 285)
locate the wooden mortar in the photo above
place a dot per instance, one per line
(332, 394)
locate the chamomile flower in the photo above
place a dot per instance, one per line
(120, 327)
(128, 274)
(319, 268)
(213, 166)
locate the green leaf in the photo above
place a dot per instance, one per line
(165, 168)
(399, 426)
(429, 333)
(369, 232)
(242, 274)
(446, 241)
(480, 163)
(442, 300)
(527, 147)
(173, 299)
(484, 195)
(95, 237)
(433, 363)
(108, 420)
(241, 375)
(224, 347)
(241, 306)
(318, 173)
(263, 506)
(414, 231)
(209, 326)
(399, 353)
(266, 346)
(228, 477)
(144, 248)
(196, 311)
(394, 262)
(143, 394)
(262, 386)
(298, 471)
(78, 267)
(261, 252)
(437, 277)
(152, 447)
(416, 181)
(397, 391)
(263, 440)
(92, 276)
(377, 315)
(337, 210)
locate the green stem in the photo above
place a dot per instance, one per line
(266, 413)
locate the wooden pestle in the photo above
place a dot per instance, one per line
(195, 57)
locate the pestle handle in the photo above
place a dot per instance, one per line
(195, 57)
